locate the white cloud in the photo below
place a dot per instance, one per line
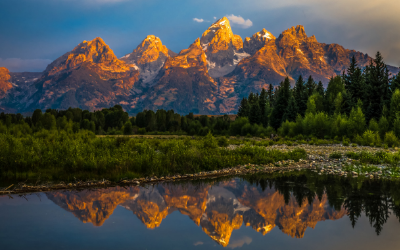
(199, 20)
(198, 243)
(215, 17)
(21, 65)
(239, 21)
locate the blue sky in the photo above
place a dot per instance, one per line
(35, 32)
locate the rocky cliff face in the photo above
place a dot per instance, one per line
(149, 57)
(257, 41)
(5, 84)
(183, 84)
(89, 77)
(224, 50)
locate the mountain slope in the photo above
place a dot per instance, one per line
(89, 77)
(149, 57)
(223, 49)
(183, 84)
(5, 84)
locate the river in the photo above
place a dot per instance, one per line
(255, 212)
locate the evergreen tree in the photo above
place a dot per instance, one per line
(244, 108)
(255, 113)
(262, 101)
(347, 104)
(37, 116)
(396, 125)
(161, 117)
(320, 89)
(300, 95)
(377, 79)
(265, 116)
(335, 86)
(141, 119)
(395, 83)
(281, 103)
(395, 105)
(310, 86)
(128, 129)
(354, 82)
(270, 95)
(383, 126)
(291, 110)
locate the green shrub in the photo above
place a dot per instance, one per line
(142, 131)
(352, 155)
(223, 142)
(368, 138)
(391, 139)
(209, 141)
(335, 155)
(346, 141)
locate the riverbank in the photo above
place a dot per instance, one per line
(342, 167)
(83, 160)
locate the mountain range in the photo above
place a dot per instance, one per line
(209, 77)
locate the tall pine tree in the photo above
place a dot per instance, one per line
(255, 113)
(320, 89)
(354, 83)
(244, 108)
(395, 83)
(377, 79)
(262, 101)
(271, 95)
(310, 86)
(291, 110)
(281, 103)
(300, 95)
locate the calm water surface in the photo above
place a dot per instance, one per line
(231, 213)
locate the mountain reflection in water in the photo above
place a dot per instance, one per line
(218, 209)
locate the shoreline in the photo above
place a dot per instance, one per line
(315, 164)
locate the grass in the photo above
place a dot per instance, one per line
(62, 156)
(380, 157)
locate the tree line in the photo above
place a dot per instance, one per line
(362, 105)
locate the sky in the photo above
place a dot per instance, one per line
(36, 32)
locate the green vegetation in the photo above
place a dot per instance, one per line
(361, 106)
(63, 156)
(335, 155)
(380, 157)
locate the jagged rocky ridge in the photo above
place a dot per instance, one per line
(210, 77)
